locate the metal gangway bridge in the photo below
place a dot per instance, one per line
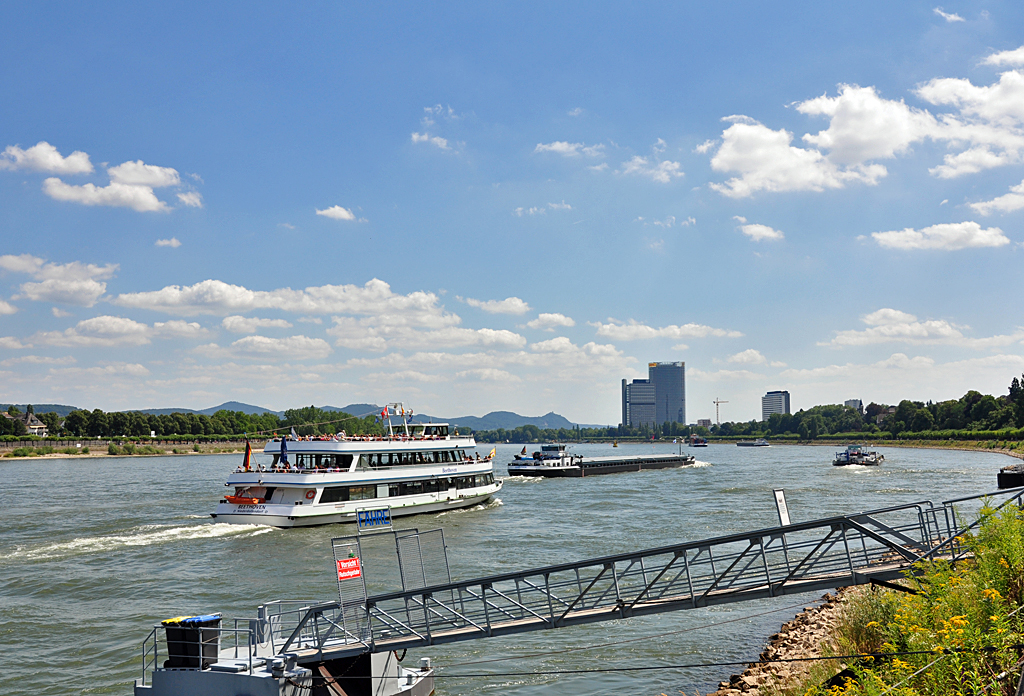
(430, 608)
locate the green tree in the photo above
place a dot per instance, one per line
(77, 423)
(13, 410)
(52, 421)
(98, 423)
(1017, 400)
(923, 420)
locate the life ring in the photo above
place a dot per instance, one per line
(310, 494)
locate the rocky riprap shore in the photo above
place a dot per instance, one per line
(799, 638)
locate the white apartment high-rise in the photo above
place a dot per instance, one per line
(774, 402)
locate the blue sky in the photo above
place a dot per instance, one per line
(509, 206)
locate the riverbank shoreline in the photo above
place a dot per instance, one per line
(806, 635)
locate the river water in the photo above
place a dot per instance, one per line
(93, 552)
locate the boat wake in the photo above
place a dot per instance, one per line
(699, 465)
(146, 535)
(521, 479)
(490, 505)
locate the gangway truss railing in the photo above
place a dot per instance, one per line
(806, 557)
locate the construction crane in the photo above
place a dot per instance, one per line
(716, 402)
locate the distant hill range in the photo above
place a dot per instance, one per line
(60, 409)
(226, 406)
(492, 421)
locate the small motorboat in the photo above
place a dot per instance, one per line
(857, 455)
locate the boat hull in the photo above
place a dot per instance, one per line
(599, 466)
(316, 518)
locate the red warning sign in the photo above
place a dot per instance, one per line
(348, 568)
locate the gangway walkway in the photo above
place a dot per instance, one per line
(806, 557)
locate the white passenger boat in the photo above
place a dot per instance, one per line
(413, 468)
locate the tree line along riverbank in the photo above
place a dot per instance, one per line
(955, 629)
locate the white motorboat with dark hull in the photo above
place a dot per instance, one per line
(856, 455)
(414, 468)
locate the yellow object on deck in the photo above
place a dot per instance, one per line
(175, 620)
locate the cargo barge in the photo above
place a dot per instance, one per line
(554, 461)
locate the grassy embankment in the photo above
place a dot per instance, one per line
(963, 623)
(124, 449)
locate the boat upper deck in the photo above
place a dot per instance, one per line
(366, 444)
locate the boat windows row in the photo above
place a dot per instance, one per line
(376, 460)
(341, 494)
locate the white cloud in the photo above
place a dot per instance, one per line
(131, 186)
(292, 347)
(985, 131)
(863, 126)
(750, 356)
(191, 199)
(72, 283)
(140, 198)
(109, 331)
(949, 17)
(44, 157)
(510, 305)
(336, 212)
(248, 325)
(668, 222)
(38, 360)
(660, 171)
(634, 330)
(766, 161)
(760, 233)
(103, 331)
(1007, 203)
(947, 237)
(575, 112)
(59, 313)
(104, 371)
(567, 149)
(139, 173)
(560, 344)
(488, 375)
(11, 343)
(560, 206)
(699, 375)
(172, 242)
(436, 140)
(378, 334)
(705, 146)
(7, 308)
(217, 297)
(893, 326)
(521, 211)
(548, 321)
(176, 328)
(1012, 57)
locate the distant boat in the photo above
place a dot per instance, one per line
(698, 441)
(615, 443)
(856, 454)
(759, 442)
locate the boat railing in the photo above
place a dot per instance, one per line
(239, 642)
(309, 624)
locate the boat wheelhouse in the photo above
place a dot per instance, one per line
(413, 468)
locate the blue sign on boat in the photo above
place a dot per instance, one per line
(373, 519)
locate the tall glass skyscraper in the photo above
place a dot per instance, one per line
(661, 398)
